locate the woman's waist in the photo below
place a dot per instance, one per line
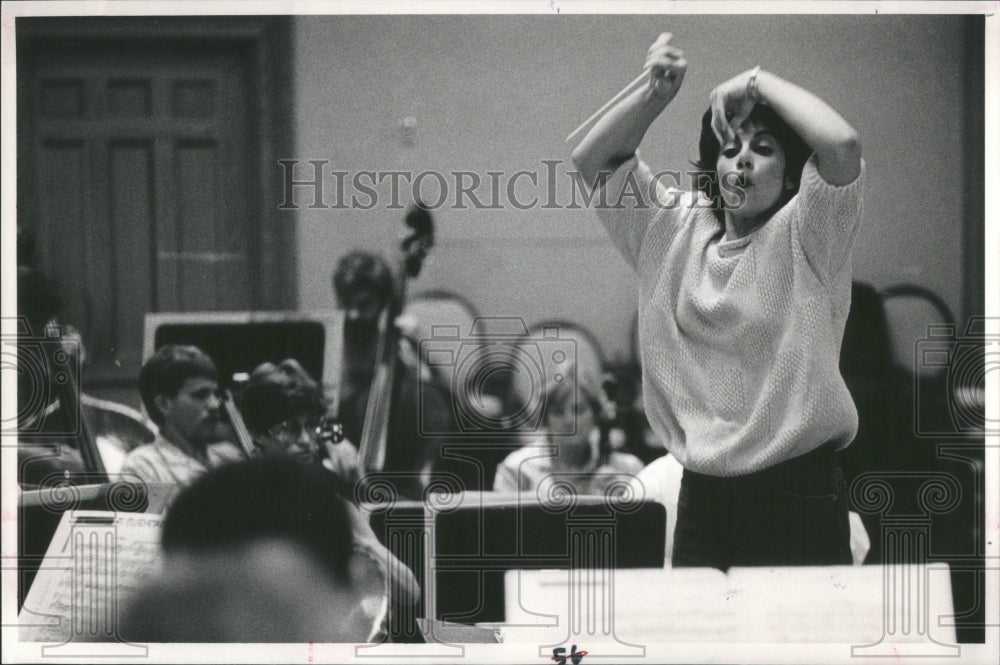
(819, 460)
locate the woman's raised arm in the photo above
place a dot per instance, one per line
(838, 151)
(617, 135)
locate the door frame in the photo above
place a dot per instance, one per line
(265, 42)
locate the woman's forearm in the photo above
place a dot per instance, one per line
(836, 144)
(617, 135)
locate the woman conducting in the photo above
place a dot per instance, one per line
(744, 292)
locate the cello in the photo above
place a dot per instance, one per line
(400, 619)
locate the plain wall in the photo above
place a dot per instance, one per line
(501, 94)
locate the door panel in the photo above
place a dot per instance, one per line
(143, 163)
(130, 193)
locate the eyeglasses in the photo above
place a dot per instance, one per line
(326, 429)
(293, 428)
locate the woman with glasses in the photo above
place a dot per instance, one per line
(285, 411)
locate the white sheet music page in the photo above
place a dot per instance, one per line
(843, 604)
(95, 559)
(859, 605)
(650, 606)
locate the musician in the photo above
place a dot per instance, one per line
(254, 552)
(363, 284)
(571, 415)
(113, 428)
(744, 292)
(284, 408)
(179, 388)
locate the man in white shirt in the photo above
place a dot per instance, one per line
(179, 388)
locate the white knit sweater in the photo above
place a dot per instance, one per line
(740, 339)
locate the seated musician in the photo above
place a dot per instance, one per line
(284, 410)
(47, 426)
(180, 391)
(363, 285)
(569, 449)
(42, 424)
(117, 428)
(254, 552)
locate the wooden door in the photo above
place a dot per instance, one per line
(143, 163)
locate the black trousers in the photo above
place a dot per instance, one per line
(790, 514)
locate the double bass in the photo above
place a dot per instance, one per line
(384, 388)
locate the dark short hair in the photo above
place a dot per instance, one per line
(359, 270)
(38, 299)
(38, 296)
(262, 499)
(167, 370)
(796, 154)
(276, 393)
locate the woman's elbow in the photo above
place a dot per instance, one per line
(841, 163)
(593, 166)
(583, 160)
(848, 147)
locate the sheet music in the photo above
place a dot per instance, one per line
(95, 560)
(908, 75)
(838, 604)
(689, 607)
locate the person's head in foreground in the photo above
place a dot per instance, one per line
(253, 552)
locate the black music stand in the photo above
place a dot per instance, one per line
(460, 549)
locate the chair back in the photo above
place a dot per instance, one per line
(555, 350)
(913, 313)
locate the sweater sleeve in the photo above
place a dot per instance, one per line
(631, 199)
(827, 218)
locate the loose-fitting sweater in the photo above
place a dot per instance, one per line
(740, 339)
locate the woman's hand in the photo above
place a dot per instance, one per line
(730, 106)
(836, 144)
(616, 136)
(666, 65)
